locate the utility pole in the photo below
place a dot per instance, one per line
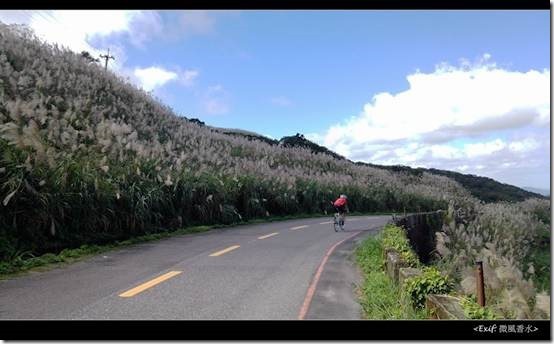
(106, 57)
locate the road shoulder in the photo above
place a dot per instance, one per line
(335, 295)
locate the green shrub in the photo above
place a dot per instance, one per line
(472, 310)
(395, 238)
(380, 298)
(431, 281)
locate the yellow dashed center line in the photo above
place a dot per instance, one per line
(267, 236)
(149, 284)
(219, 253)
(299, 227)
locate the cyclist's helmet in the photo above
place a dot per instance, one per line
(343, 196)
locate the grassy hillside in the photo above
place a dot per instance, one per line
(86, 157)
(482, 188)
(299, 140)
(247, 134)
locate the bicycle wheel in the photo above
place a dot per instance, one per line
(336, 224)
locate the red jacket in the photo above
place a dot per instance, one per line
(340, 202)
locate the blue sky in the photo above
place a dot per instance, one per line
(328, 63)
(319, 72)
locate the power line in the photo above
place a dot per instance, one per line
(48, 18)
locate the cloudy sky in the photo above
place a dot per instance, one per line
(467, 91)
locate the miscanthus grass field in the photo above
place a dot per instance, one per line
(87, 158)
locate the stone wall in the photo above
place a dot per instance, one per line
(420, 230)
(439, 306)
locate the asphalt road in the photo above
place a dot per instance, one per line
(263, 271)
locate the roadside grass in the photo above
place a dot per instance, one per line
(539, 257)
(24, 262)
(541, 262)
(380, 298)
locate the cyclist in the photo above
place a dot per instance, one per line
(341, 206)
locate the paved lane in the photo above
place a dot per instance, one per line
(258, 271)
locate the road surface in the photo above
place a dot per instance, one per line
(296, 269)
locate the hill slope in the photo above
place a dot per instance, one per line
(543, 192)
(483, 188)
(488, 189)
(299, 140)
(86, 157)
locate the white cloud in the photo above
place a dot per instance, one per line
(153, 77)
(187, 23)
(197, 22)
(15, 16)
(411, 152)
(216, 100)
(95, 31)
(75, 29)
(314, 137)
(462, 168)
(216, 106)
(483, 148)
(444, 152)
(188, 77)
(500, 119)
(475, 99)
(524, 145)
(145, 26)
(281, 101)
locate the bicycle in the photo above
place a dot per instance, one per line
(338, 222)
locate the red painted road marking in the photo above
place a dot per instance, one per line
(313, 285)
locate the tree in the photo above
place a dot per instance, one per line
(87, 56)
(197, 121)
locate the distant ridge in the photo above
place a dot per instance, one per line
(483, 188)
(543, 192)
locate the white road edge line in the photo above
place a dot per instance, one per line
(268, 235)
(298, 227)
